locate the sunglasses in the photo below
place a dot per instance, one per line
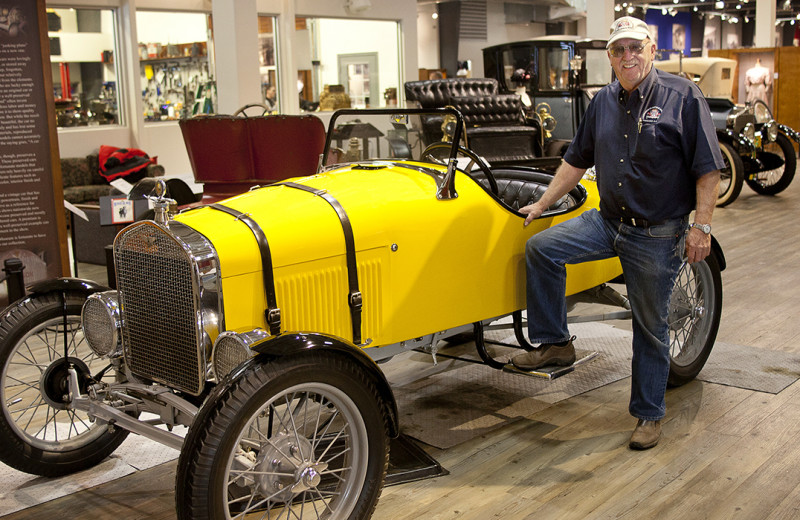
(618, 51)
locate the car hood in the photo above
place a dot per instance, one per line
(301, 226)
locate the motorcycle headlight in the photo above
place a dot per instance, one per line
(101, 322)
(232, 349)
(749, 131)
(770, 130)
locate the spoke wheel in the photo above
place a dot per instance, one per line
(731, 177)
(298, 438)
(39, 432)
(695, 308)
(770, 182)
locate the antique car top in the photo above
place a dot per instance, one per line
(714, 76)
(563, 72)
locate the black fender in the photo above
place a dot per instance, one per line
(296, 343)
(716, 249)
(66, 284)
(789, 132)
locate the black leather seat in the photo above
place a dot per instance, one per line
(517, 188)
(496, 126)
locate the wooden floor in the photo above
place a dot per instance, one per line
(726, 452)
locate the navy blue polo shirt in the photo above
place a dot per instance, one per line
(648, 147)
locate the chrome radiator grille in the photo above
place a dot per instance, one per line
(158, 297)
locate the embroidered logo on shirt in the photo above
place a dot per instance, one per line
(652, 114)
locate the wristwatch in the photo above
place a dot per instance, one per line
(705, 228)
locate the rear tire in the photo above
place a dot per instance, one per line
(39, 434)
(731, 177)
(695, 310)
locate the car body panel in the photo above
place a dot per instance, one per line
(420, 268)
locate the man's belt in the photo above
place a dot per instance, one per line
(640, 222)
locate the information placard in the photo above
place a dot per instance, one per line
(31, 196)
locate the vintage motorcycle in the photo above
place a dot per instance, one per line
(258, 321)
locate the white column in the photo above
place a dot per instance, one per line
(130, 74)
(287, 70)
(236, 51)
(599, 17)
(765, 23)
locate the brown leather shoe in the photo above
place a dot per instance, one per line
(646, 435)
(546, 354)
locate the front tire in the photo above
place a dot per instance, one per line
(695, 309)
(303, 435)
(39, 433)
(772, 182)
(731, 178)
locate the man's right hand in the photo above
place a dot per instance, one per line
(533, 211)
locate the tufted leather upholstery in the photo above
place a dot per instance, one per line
(495, 123)
(520, 188)
(435, 93)
(500, 109)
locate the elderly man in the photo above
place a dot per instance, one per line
(650, 137)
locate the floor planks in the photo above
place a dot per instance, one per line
(726, 452)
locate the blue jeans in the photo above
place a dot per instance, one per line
(650, 257)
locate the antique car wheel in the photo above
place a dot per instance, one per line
(39, 433)
(694, 314)
(731, 178)
(304, 435)
(439, 153)
(775, 181)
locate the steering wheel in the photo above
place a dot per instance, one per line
(242, 111)
(429, 154)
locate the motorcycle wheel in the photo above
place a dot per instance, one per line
(695, 309)
(39, 433)
(303, 435)
(731, 178)
(775, 181)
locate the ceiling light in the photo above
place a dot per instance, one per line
(618, 8)
(738, 6)
(720, 5)
(435, 16)
(631, 9)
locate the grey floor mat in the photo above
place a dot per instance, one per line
(463, 399)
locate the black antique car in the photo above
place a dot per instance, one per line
(756, 148)
(556, 78)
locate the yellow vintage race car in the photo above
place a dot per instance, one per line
(258, 321)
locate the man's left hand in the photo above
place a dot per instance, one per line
(698, 245)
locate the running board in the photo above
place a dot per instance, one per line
(551, 372)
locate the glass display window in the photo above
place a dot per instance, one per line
(82, 51)
(177, 75)
(554, 68)
(346, 63)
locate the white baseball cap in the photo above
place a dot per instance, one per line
(628, 27)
